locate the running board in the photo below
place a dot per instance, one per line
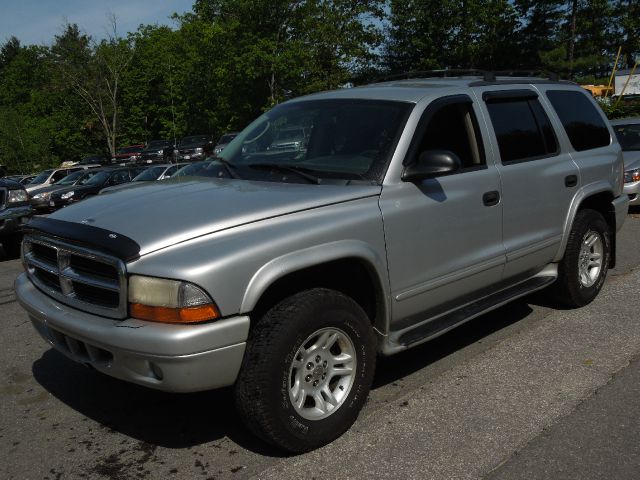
(446, 322)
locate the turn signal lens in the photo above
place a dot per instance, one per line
(174, 315)
(632, 176)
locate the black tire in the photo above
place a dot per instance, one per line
(568, 289)
(262, 389)
(11, 245)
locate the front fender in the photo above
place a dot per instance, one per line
(284, 265)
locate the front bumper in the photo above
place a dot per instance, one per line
(191, 156)
(175, 358)
(12, 219)
(632, 190)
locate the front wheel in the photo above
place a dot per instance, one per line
(307, 370)
(583, 269)
(12, 245)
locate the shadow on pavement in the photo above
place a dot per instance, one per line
(158, 418)
(391, 369)
(187, 420)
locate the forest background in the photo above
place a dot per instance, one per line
(226, 61)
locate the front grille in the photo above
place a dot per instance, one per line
(78, 277)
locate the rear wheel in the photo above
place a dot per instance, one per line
(307, 370)
(583, 269)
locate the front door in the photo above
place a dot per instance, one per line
(444, 234)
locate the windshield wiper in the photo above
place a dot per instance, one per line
(300, 171)
(231, 169)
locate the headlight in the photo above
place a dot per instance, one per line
(16, 196)
(169, 301)
(159, 152)
(199, 150)
(632, 176)
(42, 196)
(67, 196)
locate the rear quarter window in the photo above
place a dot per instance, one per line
(580, 118)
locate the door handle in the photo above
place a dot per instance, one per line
(570, 181)
(491, 198)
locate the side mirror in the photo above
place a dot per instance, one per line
(432, 163)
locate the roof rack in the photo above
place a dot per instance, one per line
(487, 76)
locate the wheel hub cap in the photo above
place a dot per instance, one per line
(322, 373)
(590, 259)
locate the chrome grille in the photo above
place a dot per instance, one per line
(79, 277)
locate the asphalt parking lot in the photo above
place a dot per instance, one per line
(524, 392)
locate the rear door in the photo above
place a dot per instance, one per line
(539, 178)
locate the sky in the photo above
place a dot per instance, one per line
(37, 21)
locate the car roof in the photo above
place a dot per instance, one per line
(626, 121)
(415, 89)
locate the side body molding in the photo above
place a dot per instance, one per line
(292, 262)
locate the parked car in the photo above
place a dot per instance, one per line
(98, 159)
(130, 153)
(150, 174)
(14, 213)
(21, 179)
(628, 133)
(48, 177)
(91, 185)
(157, 151)
(194, 147)
(40, 198)
(416, 206)
(191, 169)
(224, 141)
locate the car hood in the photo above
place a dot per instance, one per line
(159, 214)
(631, 160)
(77, 189)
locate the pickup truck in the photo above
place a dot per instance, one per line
(415, 206)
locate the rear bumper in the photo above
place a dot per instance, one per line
(12, 219)
(175, 358)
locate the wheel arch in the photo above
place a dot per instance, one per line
(351, 267)
(598, 197)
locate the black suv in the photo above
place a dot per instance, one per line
(157, 151)
(14, 212)
(194, 147)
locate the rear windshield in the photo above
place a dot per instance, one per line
(628, 136)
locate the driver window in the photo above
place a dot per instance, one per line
(454, 128)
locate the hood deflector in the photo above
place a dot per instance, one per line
(112, 243)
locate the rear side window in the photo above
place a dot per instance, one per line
(522, 128)
(581, 120)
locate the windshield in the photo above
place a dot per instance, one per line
(227, 138)
(95, 178)
(344, 139)
(41, 177)
(149, 174)
(192, 169)
(129, 150)
(71, 178)
(156, 144)
(194, 139)
(628, 136)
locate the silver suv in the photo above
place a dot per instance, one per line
(414, 207)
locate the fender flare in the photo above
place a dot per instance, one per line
(585, 192)
(292, 262)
